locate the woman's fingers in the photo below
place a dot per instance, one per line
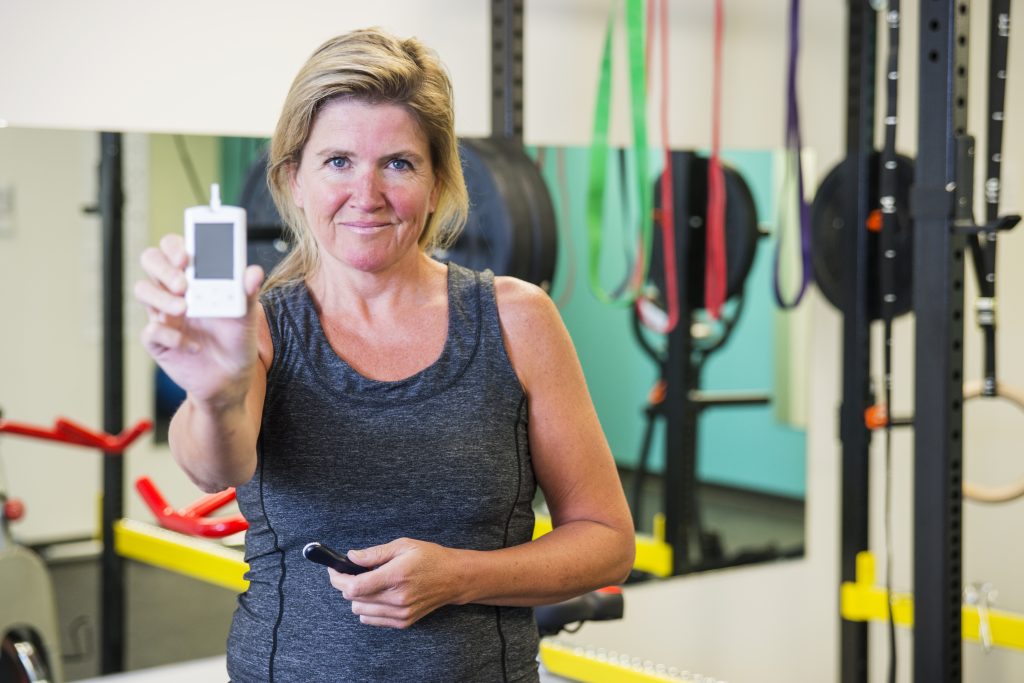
(160, 338)
(173, 247)
(252, 279)
(162, 271)
(159, 300)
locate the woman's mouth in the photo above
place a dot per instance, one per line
(365, 227)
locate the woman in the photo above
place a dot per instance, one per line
(377, 400)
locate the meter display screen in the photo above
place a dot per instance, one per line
(215, 253)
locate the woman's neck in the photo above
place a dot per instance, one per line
(350, 292)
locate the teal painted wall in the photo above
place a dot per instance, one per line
(744, 447)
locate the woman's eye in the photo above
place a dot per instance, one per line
(401, 165)
(338, 162)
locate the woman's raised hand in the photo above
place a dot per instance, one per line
(210, 358)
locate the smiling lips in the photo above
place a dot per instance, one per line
(365, 227)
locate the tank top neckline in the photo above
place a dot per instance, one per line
(461, 341)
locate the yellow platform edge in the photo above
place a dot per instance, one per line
(862, 600)
(574, 664)
(200, 559)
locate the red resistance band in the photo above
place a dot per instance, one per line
(715, 268)
(666, 216)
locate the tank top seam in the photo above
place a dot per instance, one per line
(508, 526)
(448, 384)
(504, 645)
(281, 578)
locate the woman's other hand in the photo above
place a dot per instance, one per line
(410, 580)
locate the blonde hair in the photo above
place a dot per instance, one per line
(372, 66)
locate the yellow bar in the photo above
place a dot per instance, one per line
(863, 601)
(653, 555)
(578, 665)
(198, 558)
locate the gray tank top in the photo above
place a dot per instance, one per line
(441, 456)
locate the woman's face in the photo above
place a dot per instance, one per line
(365, 184)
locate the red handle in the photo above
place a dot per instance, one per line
(69, 432)
(192, 519)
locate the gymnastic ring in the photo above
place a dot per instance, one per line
(994, 494)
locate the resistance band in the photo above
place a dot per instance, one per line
(714, 272)
(668, 219)
(666, 215)
(599, 155)
(984, 252)
(888, 180)
(794, 167)
(566, 217)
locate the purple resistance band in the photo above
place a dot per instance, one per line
(794, 146)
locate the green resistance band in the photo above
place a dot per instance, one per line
(599, 155)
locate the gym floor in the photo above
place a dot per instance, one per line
(172, 619)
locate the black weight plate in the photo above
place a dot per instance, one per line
(502, 159)
(741, 228)
(541, 216)
(488, 239)
(829, 254)
(266, 245)
(511, 226)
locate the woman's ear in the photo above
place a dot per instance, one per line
(435, 194)
(294, 183)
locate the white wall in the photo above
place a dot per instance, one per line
(122, 65)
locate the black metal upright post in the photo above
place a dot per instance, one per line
(854, 434)
(111, 202)
(938, 309)
(507, 68)
(680, 483)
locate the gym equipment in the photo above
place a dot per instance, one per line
(690, 177)
(30, 647)
(598, 157)
(941, 208)
(677, 396)
(194, 519)
(715, 287)
(1006, 492)
(30, 651)
(794, 167)
(267, 244)
(829, 216)
(511, 228)
(604, 604)
(600, 665)
(861, 600)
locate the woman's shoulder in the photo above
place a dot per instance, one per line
(523, 304)
(537, 342)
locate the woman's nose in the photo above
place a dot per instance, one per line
(367, 190)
